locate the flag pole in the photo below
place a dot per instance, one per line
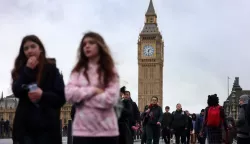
(228, 86)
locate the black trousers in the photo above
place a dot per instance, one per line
(243, 140)
(166, 135)
(153, 133)
(201, 140)
(180, 133)
(35, 139)
(144, 137)
(188, 136)
(95, 140)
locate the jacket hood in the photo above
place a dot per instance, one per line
(245, 99)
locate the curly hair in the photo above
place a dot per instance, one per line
(213, 100)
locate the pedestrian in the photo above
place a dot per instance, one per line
(198, 126)
(153, 125)
(166, 121)
(189, 127)
(125, 136)
(214, 120)
(243, 129)
(40, 89)
(179, 124)
(135, 120)
(232, 129)
(193, 135)
(144, 122)
(94, 87)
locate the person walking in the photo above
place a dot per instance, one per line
(94, 87)
(154, 116)
(243, 129)
(166, 121)
(198, 126)
(179, 124)
(214, 120)
(39, 86)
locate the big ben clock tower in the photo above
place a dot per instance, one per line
(150, 60)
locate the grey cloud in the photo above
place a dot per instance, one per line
(205, 41)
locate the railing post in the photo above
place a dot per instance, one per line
(69, 141)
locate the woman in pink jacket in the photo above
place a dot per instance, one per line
(94, 88)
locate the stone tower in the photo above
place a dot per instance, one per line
(150, 60)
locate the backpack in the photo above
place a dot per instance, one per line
(213, 116)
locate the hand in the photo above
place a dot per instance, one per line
(147, 110)
(158, 123)
(138, 124)
(201, 134)
(32, 62)
(99, 91)
(35, 95)
(134, 128)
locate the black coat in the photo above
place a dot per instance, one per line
(47, 115)
(166, 120)
(136, 114)
(125, 136)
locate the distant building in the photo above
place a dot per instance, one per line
(8, 108)
(231, 105)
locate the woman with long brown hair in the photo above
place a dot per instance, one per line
(40, 89)
(94, 88)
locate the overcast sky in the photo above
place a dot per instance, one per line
(205, 40)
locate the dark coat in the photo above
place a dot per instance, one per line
(31, 120)
(125, 136)
(136, 113)
(73, 111)
(179, 120)
(190, 124)
(166, 120)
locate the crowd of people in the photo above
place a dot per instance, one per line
(102, 111)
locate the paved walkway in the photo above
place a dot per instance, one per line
(9, 141)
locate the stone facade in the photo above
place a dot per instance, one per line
(8, 108)
(150, 60)
(231, 105)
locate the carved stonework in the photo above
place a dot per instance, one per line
(150, 60)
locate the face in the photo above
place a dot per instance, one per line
(154, 101)
(167, 110)
(187, 112)
(240, 102)
(126, 95)
(31, 48)
(178, 106)
(90, 48)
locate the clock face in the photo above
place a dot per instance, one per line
(148, 50)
